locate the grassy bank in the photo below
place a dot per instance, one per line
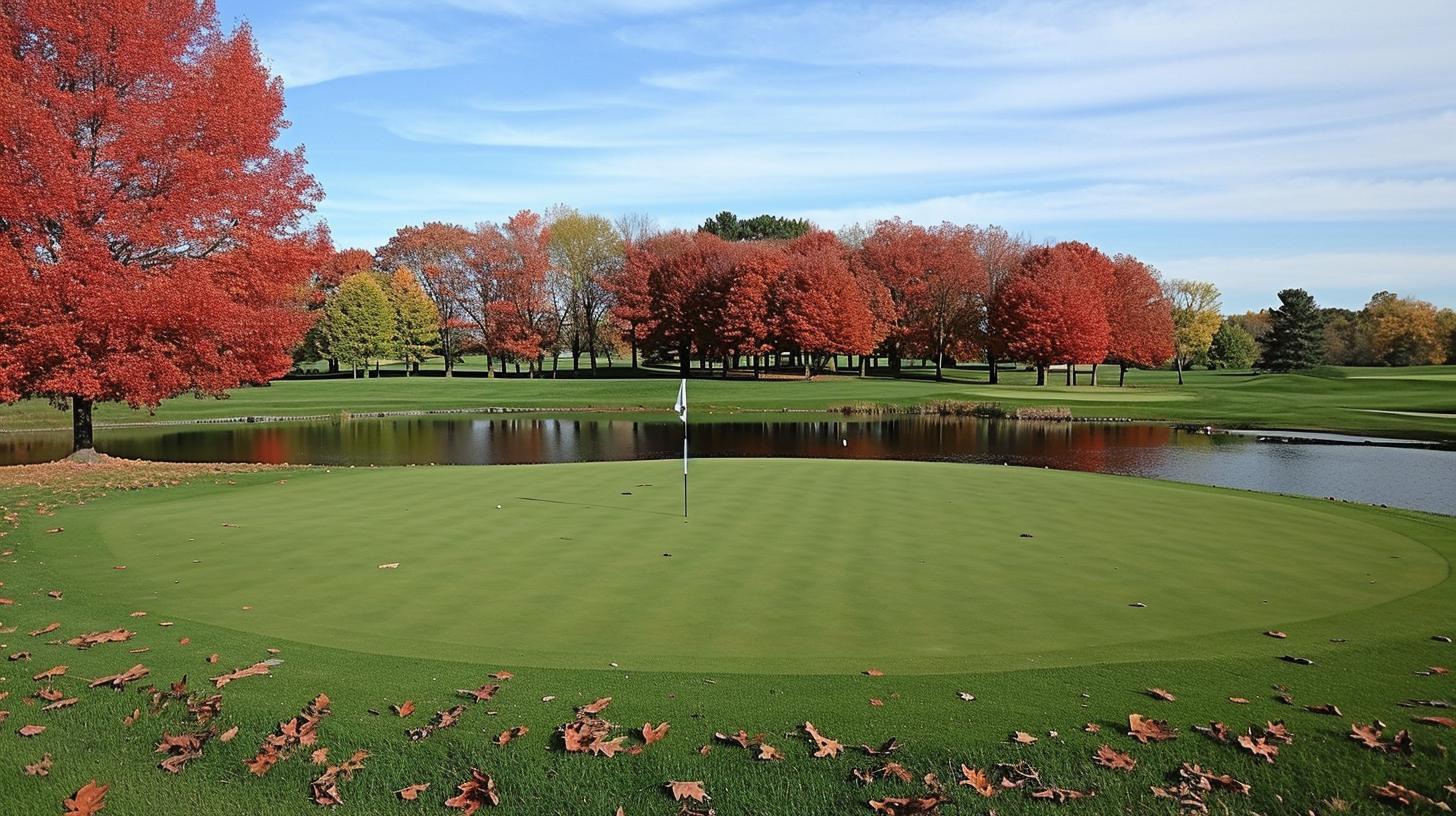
(1389, 402)
(758, 620)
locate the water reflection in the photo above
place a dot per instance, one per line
(1421, 479)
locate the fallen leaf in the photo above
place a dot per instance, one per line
(1161, 694)
(403, 709)
(394, 565)
(87, 801)
(976, 780)
(889, 746)
(410, 793)
(1445, 722)
(1274, 633)
(481, 694)
(52, 672)
(41, 767)
(1325, 708)
(1023, 738)
(1144, 729)
(596, 707)
(965, 695)
(687, 790)
(877, 702)
(1061, 795)
(1109, 757)
(228, 735)
(238, 674)
(874, 672)
(1258, 746)
(651, 735)
(133, 718)
(1238, 700)
(823, 746)
(1405, 797)
(62, 703)
(500, 675)
(120, 679)
(90, 639)
(46, 630)
(903, 806)
(320, 756)
(510, 734)
(443, 719)
(768, 753)
(31, 730)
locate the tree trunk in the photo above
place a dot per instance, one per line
(755, 366)
(1070, 374)
(895, 360)
(864, 366)
(684, 360)
(446, 351)
(991, 367)
(333, 365)
(1178, 362)
(634, 346)
(81, 435)
(1040, 374)
(1094, 375)
(1121, 374)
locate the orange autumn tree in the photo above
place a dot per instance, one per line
(1055, 307)
(151, 233)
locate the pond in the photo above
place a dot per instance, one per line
(1411, 477)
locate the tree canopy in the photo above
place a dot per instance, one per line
(730, 227)
(1296, 334)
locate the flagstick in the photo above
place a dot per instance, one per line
(685, 470)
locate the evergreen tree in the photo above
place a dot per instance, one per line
(1232, 347)
(729, 227)
(360, 321)
(1296, 335)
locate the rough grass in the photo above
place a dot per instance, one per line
(1237, 399)
(1199, 636)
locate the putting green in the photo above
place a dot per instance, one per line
(785, 565)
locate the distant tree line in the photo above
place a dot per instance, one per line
(775, 293)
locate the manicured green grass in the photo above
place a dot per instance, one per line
(1333, 399)
(790, 579)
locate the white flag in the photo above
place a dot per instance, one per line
(681, 406)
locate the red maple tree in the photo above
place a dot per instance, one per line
(152, 233)
(1054, 307)
(817, 306)
(1139, 315)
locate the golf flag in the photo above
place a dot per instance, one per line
(681, 407)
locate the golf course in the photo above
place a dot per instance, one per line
(947, 606)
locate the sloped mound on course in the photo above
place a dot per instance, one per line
(785, 565)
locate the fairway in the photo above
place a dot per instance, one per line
(791, 566)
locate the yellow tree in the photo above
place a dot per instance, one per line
(1403, 331)
(416, 319)
(586, 252)
(1195, 319)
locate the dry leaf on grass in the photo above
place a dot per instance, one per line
(410, 793)
(1161, 694)
(237, 674)
(403, 709)
(976, 780)
(1144, 729)
(87, 801)
(41, 767)
(687, 790)
(823, 746)
(1109, 757)
(651, 735)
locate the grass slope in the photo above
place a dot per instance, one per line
(1199, 635)
(1338, 399)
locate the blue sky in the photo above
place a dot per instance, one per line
(1255, 144)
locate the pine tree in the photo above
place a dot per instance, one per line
(1296, 336)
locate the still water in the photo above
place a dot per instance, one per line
(1400, 477)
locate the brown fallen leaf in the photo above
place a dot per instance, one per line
(1144, 729)
(1161, 694)
(767, 753)
(443, 719)
(181, 749)
(510, 734)
(16, 657)
(55, 593)
(393, 565)
(1216, 731)
(41, 767)
(410, 793)
(595, 707)
(90, 639)
(1274, 633)
(228, 735)
(66, 702)
(298, 732)
(687, 790)
(1444, 722)
(976, 780)
(212, 658)
(238, 674)
(500, 675)
(1405, 797)
(31, 730)
(1092, 728)
(403, 709)
(1111, 758)
(320, 756)
(874, 672)
(904, 806)
(1061, 795)
(1023, 738)
(51, 673)
(120, 679)
(1238, 700)
(887, 747)
(651, 735)
(133, 718)
(1324, 708)
(877, 702)
(47, 629)
(87, 801)
(479, 695)
(1259, 747)
(823, 746)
